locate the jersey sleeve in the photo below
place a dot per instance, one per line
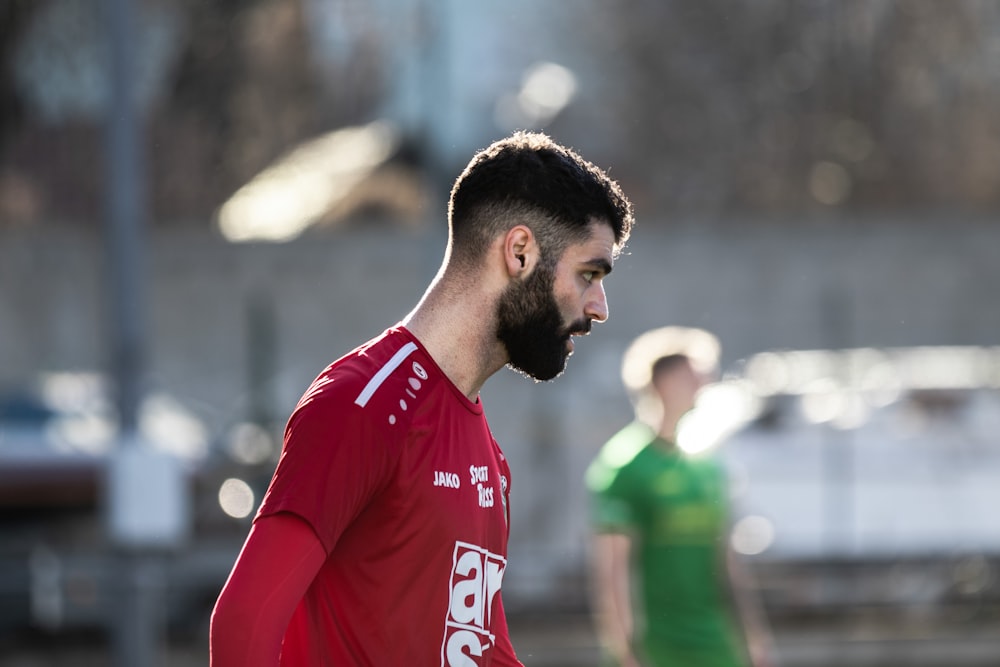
(611, 508)
(275, 567)
(334, 459)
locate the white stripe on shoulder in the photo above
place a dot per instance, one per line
(384, 372)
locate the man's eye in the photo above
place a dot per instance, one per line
(588, 276)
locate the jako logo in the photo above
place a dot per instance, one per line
(476, 575)
(449, 479)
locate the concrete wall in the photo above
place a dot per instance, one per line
(758, 287)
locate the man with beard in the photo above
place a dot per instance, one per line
(382, 539)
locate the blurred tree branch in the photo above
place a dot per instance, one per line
(14, 14)
(769, 108)
(788, 106)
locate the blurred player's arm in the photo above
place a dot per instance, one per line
(753, 618)
(612, 598)
(278, 562)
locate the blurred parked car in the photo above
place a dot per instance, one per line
(58, 439)
(867, 478)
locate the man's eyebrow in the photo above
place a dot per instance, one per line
(600, 263)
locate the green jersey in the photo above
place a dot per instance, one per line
(673, 505)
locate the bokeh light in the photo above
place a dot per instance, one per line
(752, 535)
(249, 444)
(829, 183)
(236, 498)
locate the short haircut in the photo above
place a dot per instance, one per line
(529, 179)
(667, 364)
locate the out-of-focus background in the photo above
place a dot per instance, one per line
(204, 203)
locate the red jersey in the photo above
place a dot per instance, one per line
(399, 476)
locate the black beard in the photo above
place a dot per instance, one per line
(531, 328)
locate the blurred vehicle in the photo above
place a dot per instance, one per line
(867, 478)
(58, 559)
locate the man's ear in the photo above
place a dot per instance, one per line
(520, 251)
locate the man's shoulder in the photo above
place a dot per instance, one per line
(373, 375)
(617, 456)
(624, 446)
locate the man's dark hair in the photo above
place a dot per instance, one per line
(529, 179)
(667, 364)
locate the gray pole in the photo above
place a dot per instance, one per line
(137, 586)
(126, 219)
(838, 458)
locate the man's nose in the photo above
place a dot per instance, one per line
(597, 304)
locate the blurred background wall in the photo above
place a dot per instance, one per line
(807, 175)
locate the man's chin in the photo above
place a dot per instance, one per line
(541, 373)
(537, 377)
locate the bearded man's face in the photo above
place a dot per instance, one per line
(531, 327)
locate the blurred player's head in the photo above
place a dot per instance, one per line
(676, 382)
(529, 179)
(664, 368)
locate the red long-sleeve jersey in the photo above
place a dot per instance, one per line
(397, 474)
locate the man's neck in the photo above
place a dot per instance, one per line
(668, 427)
(459, 332)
